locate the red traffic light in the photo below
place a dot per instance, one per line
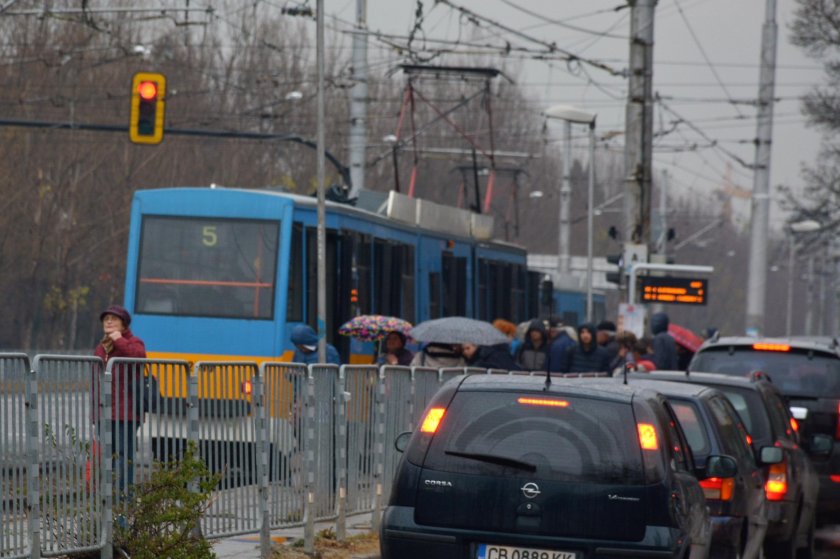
(147, 90)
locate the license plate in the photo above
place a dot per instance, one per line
(506, 552)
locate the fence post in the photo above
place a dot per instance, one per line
(341, 454)
(379, 452)
(309, 454)
(33, 470)
(106, 477)
(261, 434)
(192, 430)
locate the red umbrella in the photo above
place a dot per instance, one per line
(685, 337)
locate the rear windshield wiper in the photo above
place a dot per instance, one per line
(493, 459)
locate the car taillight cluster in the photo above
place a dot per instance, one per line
(718, 488)
(432, 420)
(776, 485)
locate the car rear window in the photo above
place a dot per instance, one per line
(794, 372)
(751, 410)
(693, 427)
(565, 438)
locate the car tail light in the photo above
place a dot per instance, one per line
(543, 402)
(771, 347)
(835, 479)
(432, 420)
(718, 488)
(776, 485)
(795, 424)
(647, 436)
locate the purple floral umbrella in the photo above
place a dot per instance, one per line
(373, 327)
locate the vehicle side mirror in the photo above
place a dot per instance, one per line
(770, 455)
(401, 442)
(721, 466)
(820, 445)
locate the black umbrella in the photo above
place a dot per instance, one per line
(458, 330)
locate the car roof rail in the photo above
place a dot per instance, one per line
(760, 375)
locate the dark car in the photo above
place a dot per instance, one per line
(807, 373)
(712, 428)
(510, 466)
(791, 486)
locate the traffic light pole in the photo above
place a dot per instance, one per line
(639, 266)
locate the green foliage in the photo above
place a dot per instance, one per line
(161, 517)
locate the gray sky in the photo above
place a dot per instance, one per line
(689, 35)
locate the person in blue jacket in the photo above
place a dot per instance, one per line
(306, 346)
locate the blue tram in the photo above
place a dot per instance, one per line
(224, 273)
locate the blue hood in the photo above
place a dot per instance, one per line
(659, 323)
(303, 334)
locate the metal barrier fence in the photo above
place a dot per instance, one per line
(291, 444)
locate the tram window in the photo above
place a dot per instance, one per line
(294, 306)
(386, 279)
(434, 295)
(517, 311)
(362, 247)
(407, 283)
(454, 285)
(207, 267)
(483, 276)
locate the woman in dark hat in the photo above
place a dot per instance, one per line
(395, 351)
(126, 389)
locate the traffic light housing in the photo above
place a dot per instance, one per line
(148, 101)
(615, 277)
(547, 293)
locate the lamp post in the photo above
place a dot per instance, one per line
(794, 229)
(572, 115)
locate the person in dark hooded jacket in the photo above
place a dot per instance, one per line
(532, 355)
(489, 357)
(587, 356)
(664, 346)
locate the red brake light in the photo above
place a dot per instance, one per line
(771, 347)
(776, 485)
(147, 90)
(835, 479)
(717, 488)
(543, 402)
(647, 436)
(432, 420)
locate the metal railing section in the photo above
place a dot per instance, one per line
(16, 472)
(68, 453)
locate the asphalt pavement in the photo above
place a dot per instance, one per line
(248, 546)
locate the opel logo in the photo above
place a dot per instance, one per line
(530, 490)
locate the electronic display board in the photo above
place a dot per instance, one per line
(680, 291)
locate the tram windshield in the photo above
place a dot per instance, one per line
(207, 267)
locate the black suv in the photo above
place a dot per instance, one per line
(807, 373)
(791, 485)
(510, 466)
(712, 426)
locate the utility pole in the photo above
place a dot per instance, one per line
(358, 102)
(564, 231)
(638, 147)
(760, 214)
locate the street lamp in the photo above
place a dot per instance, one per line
(794, 229)
(572, 115)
